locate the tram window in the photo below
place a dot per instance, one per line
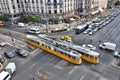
(86, 55)
(37, 42)
(45, 45)
(64, 46)
(91, 56)
(73, 57)
(49, 47)
(54, 49)
(95, 57)
(69, 56)
(42, 44)
(82, 53)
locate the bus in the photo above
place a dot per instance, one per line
(2, 23)
(63, 52)
(87, 54)
(80, 29)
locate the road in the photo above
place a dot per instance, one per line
(57, 69)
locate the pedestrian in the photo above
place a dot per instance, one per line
(32, 78)
(99, 41)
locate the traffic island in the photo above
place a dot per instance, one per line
(116, 63)
(18, 43)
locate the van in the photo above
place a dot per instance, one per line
(4, 75)
(108, 46)
(34, 30)
(21, 24)
(11, 67)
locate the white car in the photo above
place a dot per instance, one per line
(34, 30)
(117, 54)
(89, 46)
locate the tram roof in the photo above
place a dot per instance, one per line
(80, 48)
(86, 50)
(67, 51)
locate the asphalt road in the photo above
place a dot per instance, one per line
(57, 69)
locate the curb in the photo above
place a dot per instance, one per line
(114, 64)
(34, 51)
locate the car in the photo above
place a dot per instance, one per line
(117, 54)
(9, 53)
(34, 30)
(91, 47)
(2, 43)
(90, 33)
(21, 53)
(96, 29)
(66, 38)
(85, 32)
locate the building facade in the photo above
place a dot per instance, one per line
(49, 9)
(52, 10)
(91, 7)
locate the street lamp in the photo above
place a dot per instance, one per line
(46, 16)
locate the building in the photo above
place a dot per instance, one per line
(11, 8)
(53, 10)
(111, 3)
(91, 7)
(103, 5)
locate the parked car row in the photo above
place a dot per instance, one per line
(96, 26)
(11, 53)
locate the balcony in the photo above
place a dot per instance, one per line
(55, 3)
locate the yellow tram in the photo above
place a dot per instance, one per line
(65, 53)
(87, 54)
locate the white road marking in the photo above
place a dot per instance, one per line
(49, 73)
(70, 71)
(58, 67)
(45, 57)
(32, 65)
(82, 77)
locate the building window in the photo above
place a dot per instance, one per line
(60, 11)
(55, 11)
(41, 1)
(17, 1)
(41, 11)
(49, 11)
(13, 7)
(55, 0)
(49, 1)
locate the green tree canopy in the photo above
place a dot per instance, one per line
(4, 18)
(117, 2)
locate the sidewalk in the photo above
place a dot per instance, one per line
(13, 42)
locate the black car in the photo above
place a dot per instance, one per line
(9, 53)
(21, 53)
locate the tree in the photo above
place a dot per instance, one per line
(4, 18)
(117, 2)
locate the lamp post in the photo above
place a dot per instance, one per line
(46, 17)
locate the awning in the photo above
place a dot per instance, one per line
(95, 12)
(66, 17)
(76, 15)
